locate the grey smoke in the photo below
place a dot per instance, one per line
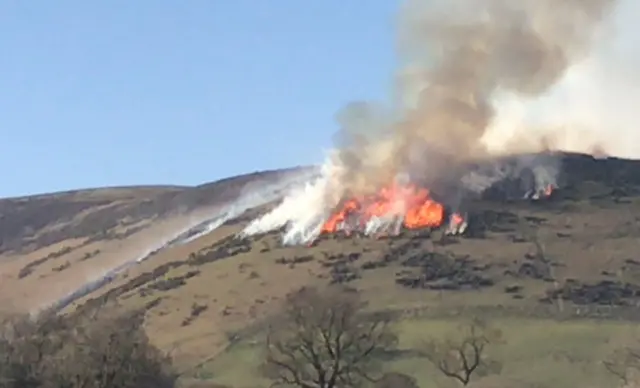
(457, 56)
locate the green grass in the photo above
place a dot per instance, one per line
(543, 353)
(237, 367)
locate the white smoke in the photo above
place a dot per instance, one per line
(253, 195)
(302, 212)
(543, 168)
(592, 108)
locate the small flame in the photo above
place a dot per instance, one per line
(457, 224)
(541, 193)
(457, 219)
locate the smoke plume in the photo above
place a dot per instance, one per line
(467, 66)
(592, 109)
(458, 57)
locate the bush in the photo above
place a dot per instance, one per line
(61, 352)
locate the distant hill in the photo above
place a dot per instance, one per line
(34, 222)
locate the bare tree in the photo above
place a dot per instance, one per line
(462, 357)
(325, 340)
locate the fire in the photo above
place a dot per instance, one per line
(412, 205)
(548, 190)
(545, 192)
(397, 206)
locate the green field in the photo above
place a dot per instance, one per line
(536, 353)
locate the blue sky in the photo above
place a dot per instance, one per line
(127, 92)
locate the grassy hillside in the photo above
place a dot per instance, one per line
(536, 353)
(561, 277)
(51, 244)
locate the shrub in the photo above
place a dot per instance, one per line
(53, 351)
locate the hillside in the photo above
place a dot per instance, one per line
(571, 255)
(59, 241)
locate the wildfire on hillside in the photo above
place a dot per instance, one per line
(391, 208)
(398, 206)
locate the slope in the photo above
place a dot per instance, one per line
(52, 244)
(571, 255)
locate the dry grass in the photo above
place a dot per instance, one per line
(42, 251)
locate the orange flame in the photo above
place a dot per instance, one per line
(457, 219)
(413, 204)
